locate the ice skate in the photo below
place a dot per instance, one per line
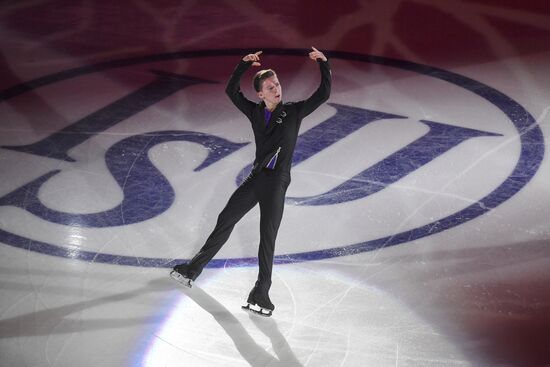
(255, 309)
(258, 302)
(181, 274)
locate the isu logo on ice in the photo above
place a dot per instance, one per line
(400, 152)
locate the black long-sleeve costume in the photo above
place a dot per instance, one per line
(282, 129)
(264, 186)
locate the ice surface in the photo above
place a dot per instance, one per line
(440, 267)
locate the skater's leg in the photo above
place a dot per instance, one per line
(240, 203)
(272, 200)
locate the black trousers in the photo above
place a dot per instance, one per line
(268, 188)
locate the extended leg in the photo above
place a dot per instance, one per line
(240, 203)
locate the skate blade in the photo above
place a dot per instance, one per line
(257, 310)
(181, 279)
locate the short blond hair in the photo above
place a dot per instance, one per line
(260, 77)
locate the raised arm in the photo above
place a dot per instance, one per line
(322, 93)
(233, 88)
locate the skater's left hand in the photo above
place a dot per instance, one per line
(316, 54)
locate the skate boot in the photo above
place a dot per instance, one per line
(184, 275)
(258, 302)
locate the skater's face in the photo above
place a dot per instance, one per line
(271, 92)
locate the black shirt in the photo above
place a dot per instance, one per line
(279, 136)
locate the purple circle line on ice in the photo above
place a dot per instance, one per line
(530, 158)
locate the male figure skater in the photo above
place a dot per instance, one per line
(275, 125)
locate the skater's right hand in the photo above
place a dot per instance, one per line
(255, 57)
